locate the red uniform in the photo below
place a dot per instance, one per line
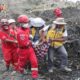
(26, 52)
(14, 50)
(9, 49)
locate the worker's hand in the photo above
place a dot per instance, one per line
(15, 41)
(35, 44)
(29, 43)
(3, 38)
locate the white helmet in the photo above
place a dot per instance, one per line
(11, 21)
(37, 22)
(31, 21)
(4, 20)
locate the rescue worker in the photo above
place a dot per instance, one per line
(38, 30)
(57, 12)
(59, 35)
(12, 23)
(36, 25)
(13, 33)
(13, 28)
(26, 52)
(7, 46)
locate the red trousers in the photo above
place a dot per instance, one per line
(26, 55)
(10, 56)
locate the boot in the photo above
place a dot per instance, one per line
(50, 70)
(13, 73)
(66, 69)
(7, 68)
(25, 72)
(5, 72)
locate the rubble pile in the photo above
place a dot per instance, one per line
(72, 17)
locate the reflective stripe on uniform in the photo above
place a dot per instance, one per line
(34, 69)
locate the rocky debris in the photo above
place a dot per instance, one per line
(72, 17)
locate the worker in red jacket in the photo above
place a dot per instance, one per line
(7, 43)
(26, 52)
(13, 34)
(57, 12)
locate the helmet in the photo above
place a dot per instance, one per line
(37, 22)
(57, 12)
(11, 21)
(23, 19)
(60, 21)
(4, 21)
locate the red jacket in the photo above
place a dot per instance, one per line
(23, 37)
(6, 35)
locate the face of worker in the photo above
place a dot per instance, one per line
(12, 25)
(5, 27)
(59, 27)
(39, 28)
(24, 25)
